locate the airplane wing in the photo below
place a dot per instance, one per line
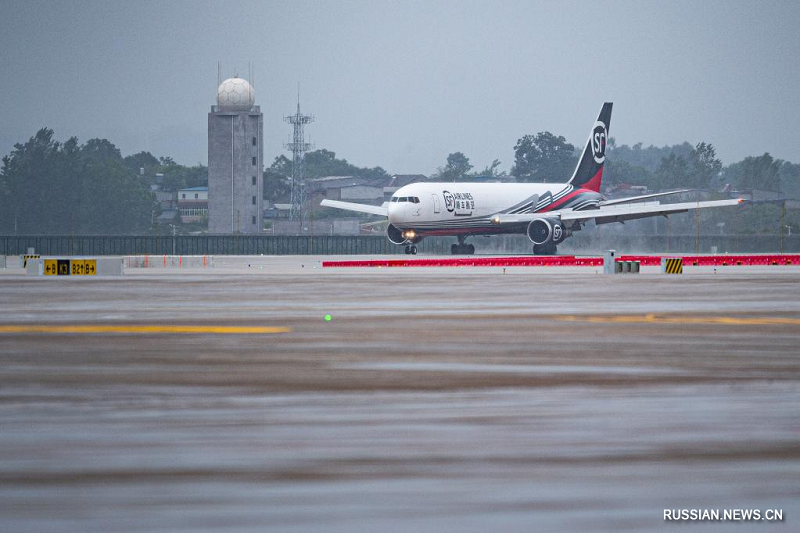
(642, 197)
(615, 213)
(360, 208)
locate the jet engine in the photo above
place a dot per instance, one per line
(405, 236)
(546, 231)
(395, 235)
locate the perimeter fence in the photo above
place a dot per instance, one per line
(582, 243)
(212, 245)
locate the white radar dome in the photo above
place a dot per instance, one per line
(235, 93)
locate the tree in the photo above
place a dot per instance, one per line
(544, 157)
(691, 166)
(6, 210)
(648, 158)
(457, 167)
(276, 187)
(672, 173)
(34, 181)
(51, 188)
(704, 165)
(491, 171)
(617, 171)
(324, 163)
(113, 199)
(144, 160)
(276, 183)
(100, 150)
(180, 177)
(762, 172)
(282, 165)
(790, 179)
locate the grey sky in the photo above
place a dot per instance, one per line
(402, 84)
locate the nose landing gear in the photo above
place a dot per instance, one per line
(461, 248)
(411, 250)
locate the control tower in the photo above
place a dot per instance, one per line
(235, 160)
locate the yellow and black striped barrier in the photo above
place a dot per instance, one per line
(672, 265)
(24, 259)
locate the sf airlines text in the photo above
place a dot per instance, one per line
(733, 515)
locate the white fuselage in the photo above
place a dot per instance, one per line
(453, 208)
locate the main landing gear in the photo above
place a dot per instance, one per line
(461, 248)
(544, 249)
(411, 250)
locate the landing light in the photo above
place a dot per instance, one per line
(741, 200)
(410, 234)
(495, 219)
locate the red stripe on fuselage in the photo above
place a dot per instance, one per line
(594, 183)
(562, 201)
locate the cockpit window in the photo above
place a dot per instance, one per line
(414, 199)
(410, 199)
(395, 199)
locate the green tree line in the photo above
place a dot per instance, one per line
(48, 187)
(549, 158)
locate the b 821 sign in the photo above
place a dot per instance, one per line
(70, 267)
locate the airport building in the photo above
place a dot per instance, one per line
(193, 204)
(235, 160)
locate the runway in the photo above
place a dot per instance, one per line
(442, 399)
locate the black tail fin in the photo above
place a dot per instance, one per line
(589, 172)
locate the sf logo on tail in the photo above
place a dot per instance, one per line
(599, 138)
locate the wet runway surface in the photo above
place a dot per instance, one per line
(433, 400)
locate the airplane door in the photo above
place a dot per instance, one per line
(435, 202)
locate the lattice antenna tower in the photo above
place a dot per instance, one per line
(298, 147)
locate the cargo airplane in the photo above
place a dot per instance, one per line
(547, 213)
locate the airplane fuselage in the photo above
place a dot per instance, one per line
(442, 208)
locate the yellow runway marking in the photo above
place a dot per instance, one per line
(662, 319)
(142, 329)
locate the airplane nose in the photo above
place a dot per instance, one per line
(394, 212)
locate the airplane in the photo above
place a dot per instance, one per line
(548, 213)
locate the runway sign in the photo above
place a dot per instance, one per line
(70, 267)
(83, 267)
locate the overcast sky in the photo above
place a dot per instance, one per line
(402, 84)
